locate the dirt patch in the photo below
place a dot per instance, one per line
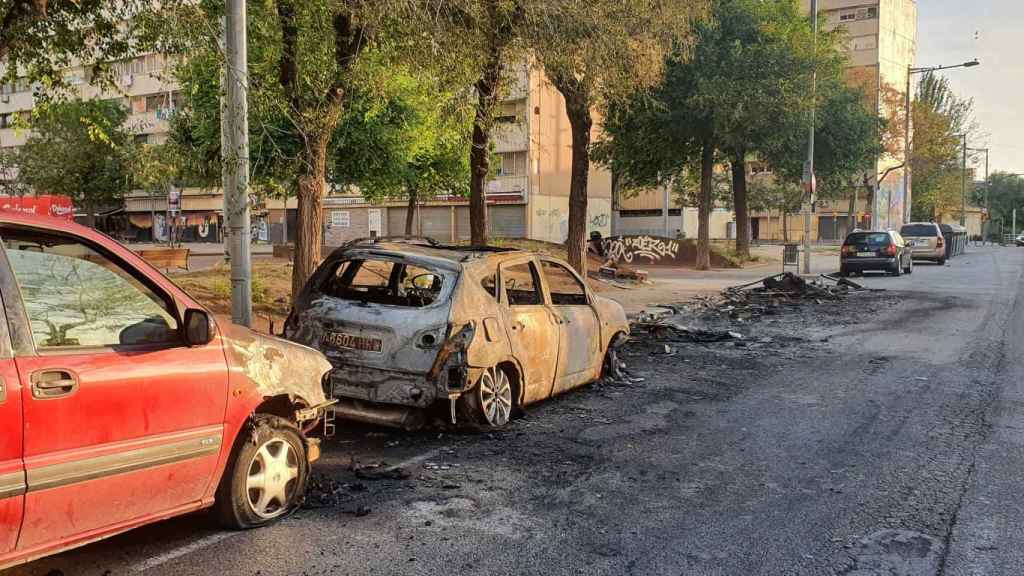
(271, 290)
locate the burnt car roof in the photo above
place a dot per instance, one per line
(423, 248)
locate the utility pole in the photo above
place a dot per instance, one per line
(235, 138)
(809, 168)
(906, 148)
(963, 186)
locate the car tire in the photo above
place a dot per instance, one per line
(897, 270)
(266, 476)
(491, 402)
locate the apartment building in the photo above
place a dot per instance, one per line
(881, 40)
(528, 197)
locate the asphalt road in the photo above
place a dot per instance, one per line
(881, 435)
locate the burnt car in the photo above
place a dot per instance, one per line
(479, 333)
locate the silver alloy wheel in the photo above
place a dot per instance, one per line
(496, 396)
(272, 478)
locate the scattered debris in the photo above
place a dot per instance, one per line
(611, 269)
(378, 471)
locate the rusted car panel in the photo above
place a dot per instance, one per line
(277, 367)
(408, 326)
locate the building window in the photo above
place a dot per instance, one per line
(863, 43)
(649, 213)
(854, 14)
(512, 163)
(341, 219)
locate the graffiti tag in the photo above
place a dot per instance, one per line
(628, 248)
(599, 221)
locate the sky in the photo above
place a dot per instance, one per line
(954, 31)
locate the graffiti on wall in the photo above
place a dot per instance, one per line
(650, 248)
(599, 220)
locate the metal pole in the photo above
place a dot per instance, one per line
(963, 186)
(809, 201)
(236, 161)
(664, 212)
(988, 213)
(1014, 229)
(906, 151)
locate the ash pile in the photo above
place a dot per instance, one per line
(789, 289)
(728, 317)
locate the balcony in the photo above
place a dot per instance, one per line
(510, 137)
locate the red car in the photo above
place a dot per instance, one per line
(123, 401)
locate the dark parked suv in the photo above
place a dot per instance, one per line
(884, 251)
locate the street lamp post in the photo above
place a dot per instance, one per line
(906, 127)
(983, 221)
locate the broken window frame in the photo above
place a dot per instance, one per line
(326, 284)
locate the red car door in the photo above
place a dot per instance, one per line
(12, 469)
(123, 422)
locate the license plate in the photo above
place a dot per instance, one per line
(352, 342)
(865, 254)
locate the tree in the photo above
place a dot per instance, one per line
(483, 38)
(939, 120)
(405, 134)
(80, 149)
(848, 139)
(1005, 193)
(764, 53)
(303, 59)
(744, 77)
(598, 52)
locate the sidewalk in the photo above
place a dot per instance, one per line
(673, 285)
(202, 248)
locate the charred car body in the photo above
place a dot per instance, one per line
(410, 325)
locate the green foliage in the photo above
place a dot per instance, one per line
(40, 39)
(847, 142)
(940, 118)
(744, 83)
(398, 127)
(1005, 193)
(80, 149)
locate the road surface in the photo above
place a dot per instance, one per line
(884, 435)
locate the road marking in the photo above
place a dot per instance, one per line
(182, 551)
(414, 460)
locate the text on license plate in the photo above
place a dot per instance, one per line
(868, 254)
(351, 341)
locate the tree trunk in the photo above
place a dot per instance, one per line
(851, 216)
(410, 213)
(707, 167)
(90, 214)
(487, 88)
(308, 233)
(739, 199)
(577, 107)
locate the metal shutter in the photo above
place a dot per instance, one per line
(396, 222)
(462, 230)
(436, 222)
(508, 221)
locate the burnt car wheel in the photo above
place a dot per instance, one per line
(266, 477)
(490, 403)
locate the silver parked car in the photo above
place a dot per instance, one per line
(411, 325)
(925, 241)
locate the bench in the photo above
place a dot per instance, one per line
(166, 258)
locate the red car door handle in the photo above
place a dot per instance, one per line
(48, 384)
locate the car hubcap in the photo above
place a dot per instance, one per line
(496, 396)
(272, 478)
